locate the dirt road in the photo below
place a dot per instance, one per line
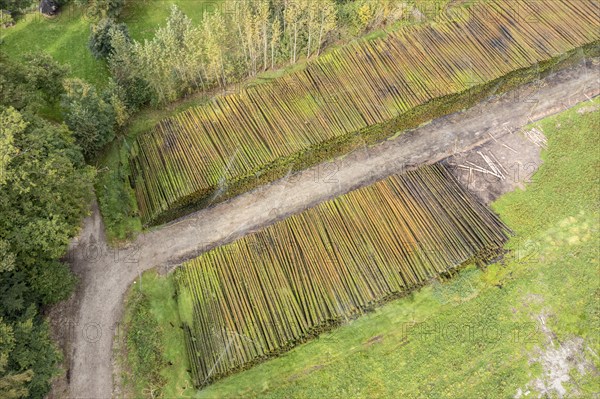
(85, 324)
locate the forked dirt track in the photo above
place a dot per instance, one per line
(85, 324)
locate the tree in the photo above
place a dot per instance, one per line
(100, 39)
(239, 18)
(192, 63)
(252, 39)
(263, 20)
(115, 96)
(43, 197)
(252, 22)
(293, 14)
(160, 70)
(312, 11)
(327, 22)
(127, 73)
(275, 38)
(45, 75)
(162, 57)
(35, 82)
(365, 14)
(45, 191)
(215, 46)
(12, 385)
(28, 357)
(46, 153)
(100, 9)
(166, 63)
(88, 116)
(15, 7)
(121, 59)
(7, 152)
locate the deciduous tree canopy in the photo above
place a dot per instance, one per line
(45, 187)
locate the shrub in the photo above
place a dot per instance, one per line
(124, 68)
(6, 19)
(14, 7)
(116, 96)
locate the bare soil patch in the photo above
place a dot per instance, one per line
(499, 166)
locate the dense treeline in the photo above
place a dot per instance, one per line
(45, 188)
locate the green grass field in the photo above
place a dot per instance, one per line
(480, 334)
(143, 16)
(64, 37)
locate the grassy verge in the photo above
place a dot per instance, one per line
(481, 334)
(150, 354)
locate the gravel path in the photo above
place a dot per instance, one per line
(85, 324)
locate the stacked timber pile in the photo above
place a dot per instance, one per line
(268, 291)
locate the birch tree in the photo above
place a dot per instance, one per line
(275, 38)
(327, 21)
(292, 20)
(263, 14)
(215, 39)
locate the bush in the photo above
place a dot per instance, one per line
(90, 118)
(6, 19)
(100, 37)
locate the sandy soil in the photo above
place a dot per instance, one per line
(499, 166)
(85, 325)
